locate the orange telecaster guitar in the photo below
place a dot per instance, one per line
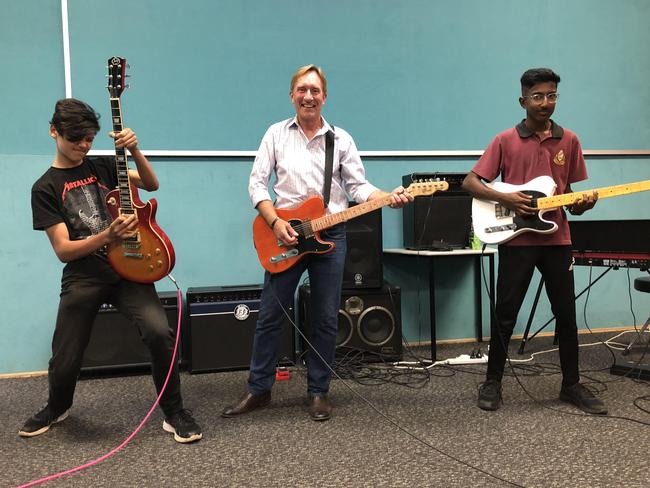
(309, 219)
(147, 256)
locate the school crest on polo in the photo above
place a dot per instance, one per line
(559, 158)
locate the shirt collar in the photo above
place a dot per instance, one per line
(556, 131)
(293, 124)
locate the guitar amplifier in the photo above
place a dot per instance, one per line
(222, 321)
(442, 221)
(116, 348)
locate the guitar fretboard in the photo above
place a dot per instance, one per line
(331, 220)
(415, 189)
(606, 192)
(121, 161)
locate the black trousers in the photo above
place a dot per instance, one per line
(86, 284)
(516, 267)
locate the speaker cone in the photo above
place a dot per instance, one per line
(345, 329)
(376, 325)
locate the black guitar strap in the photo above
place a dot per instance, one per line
(329, 163)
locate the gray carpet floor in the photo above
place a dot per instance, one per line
(539, 442)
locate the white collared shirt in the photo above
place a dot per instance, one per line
(299, 167)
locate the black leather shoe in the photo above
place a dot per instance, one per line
(248, 403)
(320, 407)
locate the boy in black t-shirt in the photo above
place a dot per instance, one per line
(68, 203)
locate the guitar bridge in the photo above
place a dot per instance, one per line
(500, 228)
(285, 255)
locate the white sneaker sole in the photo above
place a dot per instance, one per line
(183, 440)
(40, 431)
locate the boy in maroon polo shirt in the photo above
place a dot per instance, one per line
(535, 147)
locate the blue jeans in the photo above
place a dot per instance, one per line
(325, 279)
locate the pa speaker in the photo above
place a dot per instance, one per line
(115, 345)
(442, 221)
(369, 321)
(363, 261)
(222, 324)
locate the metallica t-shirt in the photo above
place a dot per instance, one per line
(75, 196)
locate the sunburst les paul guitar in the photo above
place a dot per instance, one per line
(148, 255)
(494, 224)
(308, 219)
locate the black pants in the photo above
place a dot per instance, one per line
(516, 267)
(86, 284)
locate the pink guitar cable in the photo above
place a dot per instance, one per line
(137, 429)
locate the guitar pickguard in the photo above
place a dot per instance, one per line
(306, 244)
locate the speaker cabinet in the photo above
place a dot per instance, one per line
(442, 221)
(115, 346)
(369, 321)
(222, 324)
(363, 261)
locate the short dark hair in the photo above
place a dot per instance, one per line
(74, 119)
(538, 75)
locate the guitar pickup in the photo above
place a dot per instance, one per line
(135, 255)
(500, 211)
(285, 255)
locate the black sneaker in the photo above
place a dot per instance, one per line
(489, 395)
(40, 422)
(582, 398)
(183, 426)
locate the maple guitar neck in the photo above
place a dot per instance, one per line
(331, 220)
(605, 192)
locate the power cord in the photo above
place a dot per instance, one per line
(516, 376)
(377, 410)
(140, 425)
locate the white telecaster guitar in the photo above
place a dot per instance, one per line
(494, 224)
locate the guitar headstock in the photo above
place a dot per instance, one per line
(425, 188)
(116, 76)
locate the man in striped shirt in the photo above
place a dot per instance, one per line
(294, 151)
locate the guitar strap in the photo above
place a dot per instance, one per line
(329, 163)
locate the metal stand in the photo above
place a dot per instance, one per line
(525, 339)
(643, 329)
